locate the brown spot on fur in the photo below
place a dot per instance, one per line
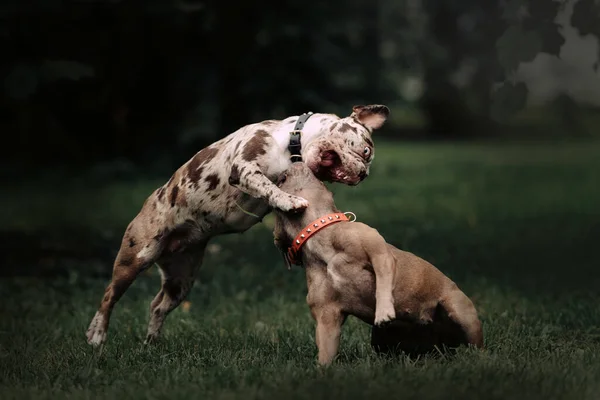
(173, 197)
(181, 200)
(255, 146)
(347, 127)
(126, 259)
(194, 168)
(333, 127)
(131, 242)
(196, 177)
(160, 193)
(369, 142)
(269, 122)
(213, 181)
(234, 176)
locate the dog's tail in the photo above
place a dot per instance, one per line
(461, 311)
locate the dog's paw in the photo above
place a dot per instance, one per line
(384, 315)
(293, 204)
(96, 333)
(299, 204)
(152, 339)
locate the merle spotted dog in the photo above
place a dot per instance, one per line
(223, 189)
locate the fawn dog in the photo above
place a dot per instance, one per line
(352, 270)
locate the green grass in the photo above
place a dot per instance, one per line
(516, 226)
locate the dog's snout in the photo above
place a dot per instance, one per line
(363, 175)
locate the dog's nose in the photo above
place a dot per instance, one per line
(363, 175)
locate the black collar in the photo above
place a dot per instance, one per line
(295, 136)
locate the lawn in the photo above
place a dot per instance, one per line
(516, 226)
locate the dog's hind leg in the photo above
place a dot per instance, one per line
(462, 312)
(138, 251)
(178, 273)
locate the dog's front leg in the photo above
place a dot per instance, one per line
(384, 284)
(329, 329)
(384, 267)
(250, 179)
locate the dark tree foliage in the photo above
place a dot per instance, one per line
(93, 80)
(531, 30)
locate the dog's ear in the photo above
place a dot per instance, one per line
(372, 116)
(283, 251)
(282, 242)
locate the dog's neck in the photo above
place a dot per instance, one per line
(288, 226)
(320, 204)
(312, 129)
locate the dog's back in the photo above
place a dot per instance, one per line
(431, 310)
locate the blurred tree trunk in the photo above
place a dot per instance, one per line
(445, 110)
(489, 27)
(372, 62)
(234, 42)
(446, 113)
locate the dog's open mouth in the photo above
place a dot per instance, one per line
(329, 158)
(330, 169)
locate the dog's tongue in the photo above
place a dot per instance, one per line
(327, 158)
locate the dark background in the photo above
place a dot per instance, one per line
(88, 82)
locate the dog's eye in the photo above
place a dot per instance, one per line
(367, 152)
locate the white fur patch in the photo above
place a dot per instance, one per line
(96, 335)
(146, 253)
(384, 312)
